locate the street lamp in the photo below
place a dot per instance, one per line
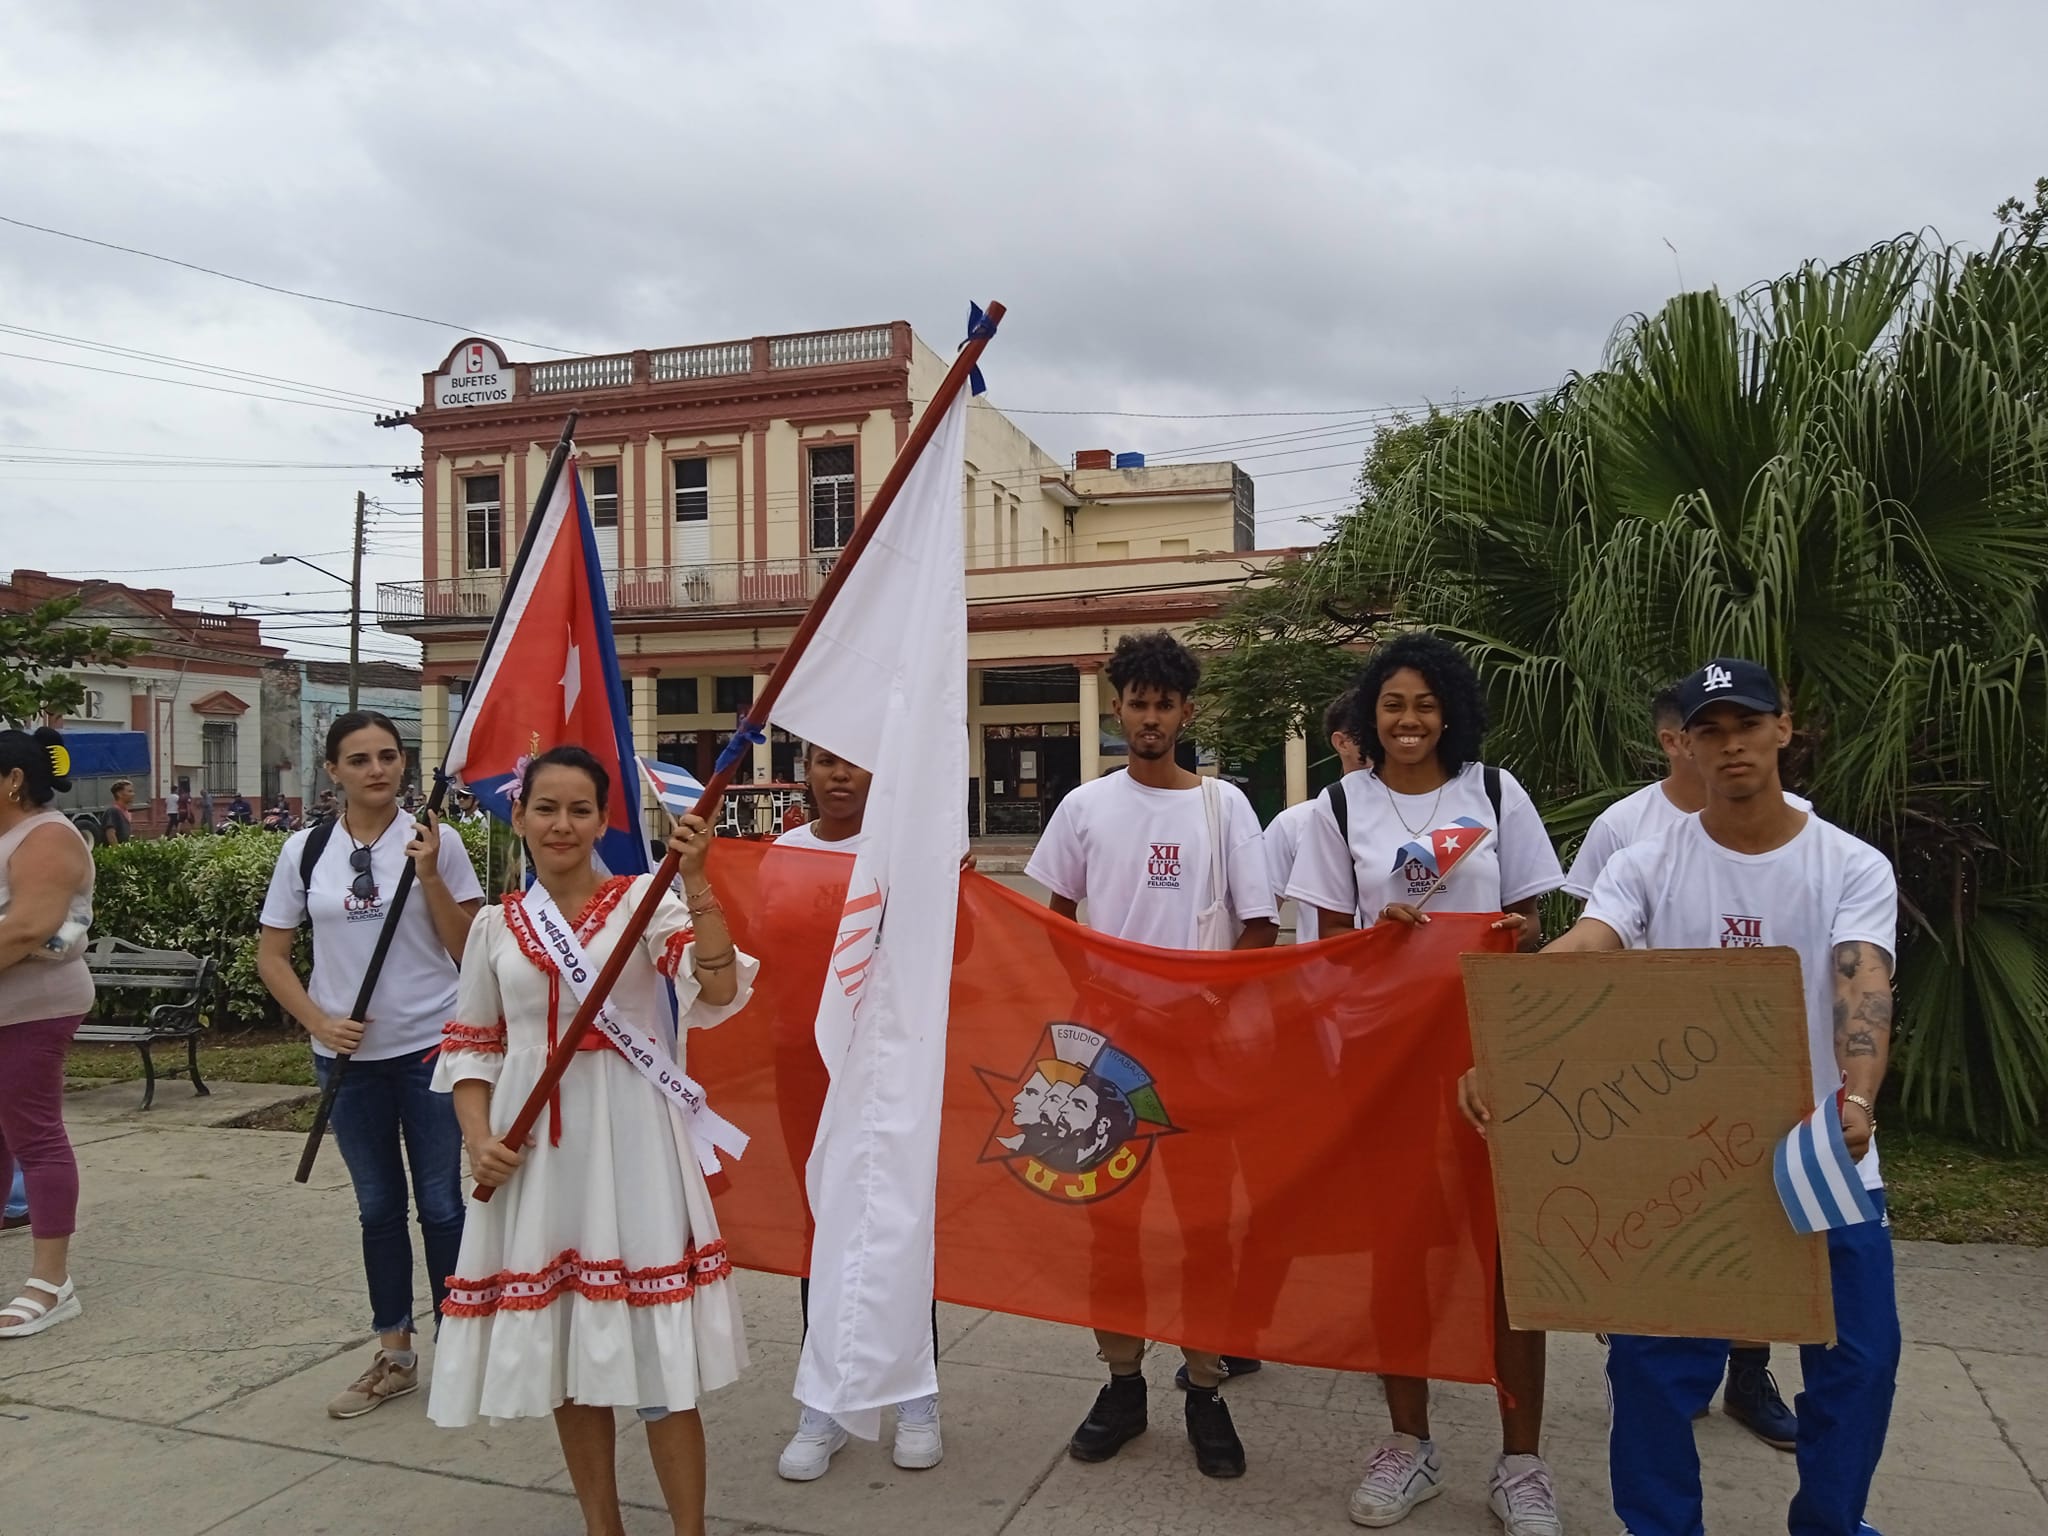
(355, 613)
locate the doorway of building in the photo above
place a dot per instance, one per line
(1027, 770)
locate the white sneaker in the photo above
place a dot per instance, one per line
(1404, 1472)
(1522, 1498)
(918, 1444)
(810, 1450)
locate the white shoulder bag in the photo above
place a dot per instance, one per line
(1215, 925)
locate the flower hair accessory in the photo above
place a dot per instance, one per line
(60, 761)
(517, 787)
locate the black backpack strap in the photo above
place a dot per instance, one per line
(1491, 776)
(318, 836)
(1340, 807)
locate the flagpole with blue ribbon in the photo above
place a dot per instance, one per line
(752, 729)
(324, 1109)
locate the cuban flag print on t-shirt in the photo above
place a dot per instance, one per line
(1422, 860)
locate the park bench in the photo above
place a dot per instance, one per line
(118, 965)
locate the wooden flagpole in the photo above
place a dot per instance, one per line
(754, 722)
(324, 1110)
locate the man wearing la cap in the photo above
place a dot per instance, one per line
(1792, 879)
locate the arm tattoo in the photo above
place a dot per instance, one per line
(1863, 1001)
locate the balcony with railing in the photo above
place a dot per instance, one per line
(735, 587)
(757, 357)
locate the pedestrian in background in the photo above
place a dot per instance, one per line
(46, 878)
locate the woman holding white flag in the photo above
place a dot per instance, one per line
(596, 1278)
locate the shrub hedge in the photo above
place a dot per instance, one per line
(203, 895)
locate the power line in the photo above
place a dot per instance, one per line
(197, 460)
(58, 338)
(292, 293)
(217, 389)
(217, 565)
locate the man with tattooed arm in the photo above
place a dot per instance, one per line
(1753, 869)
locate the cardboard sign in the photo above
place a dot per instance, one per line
(1636, 1101)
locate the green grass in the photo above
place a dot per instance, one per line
(255, 1059)
(1952, 1192)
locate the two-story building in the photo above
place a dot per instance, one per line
(194, 693)
(723, 481)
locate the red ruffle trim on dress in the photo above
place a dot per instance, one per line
(489, 1039)
(519, 923)
(593, 1280)
(670, 963)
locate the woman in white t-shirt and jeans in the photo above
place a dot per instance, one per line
(1423, 806)
(386, 1114)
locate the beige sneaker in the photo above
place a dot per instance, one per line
(384, 1380)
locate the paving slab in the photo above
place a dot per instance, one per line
(177, 1105)
(293, 1412)
(171, 1346)
(2015, 1390)
(67, 1472)
(362, 1499)
(1001, 1432)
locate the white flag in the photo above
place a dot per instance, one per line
(884, 685)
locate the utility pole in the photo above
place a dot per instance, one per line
(355, 608)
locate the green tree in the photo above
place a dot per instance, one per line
(37, 646)
(1844, 474)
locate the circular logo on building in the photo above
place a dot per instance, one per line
(1078, 1121)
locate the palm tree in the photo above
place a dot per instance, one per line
(1844, 474)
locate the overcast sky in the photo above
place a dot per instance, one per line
(1192, 210)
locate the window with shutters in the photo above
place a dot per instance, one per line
(693, 490)
(483, 515)
(218, 757)
(832, 497)
(604, 495)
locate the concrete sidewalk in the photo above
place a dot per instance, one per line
(224, 1306)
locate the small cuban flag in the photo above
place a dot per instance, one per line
(1817, 1179)
(676, 788)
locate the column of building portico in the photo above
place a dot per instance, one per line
(1090, 712)
(1297, 768)
(644, 731)
(977, 757)
(764, 756)
(433, 732)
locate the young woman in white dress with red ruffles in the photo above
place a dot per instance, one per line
(595, 1278)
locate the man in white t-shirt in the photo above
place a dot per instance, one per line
(1753, 870)
(1649, 812)
(1283, 832)
(838, 792)
(1164, 857)
(1751, 1397)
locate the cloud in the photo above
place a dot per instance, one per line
(1207, 208)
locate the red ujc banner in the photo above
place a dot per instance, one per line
(1256, 1153)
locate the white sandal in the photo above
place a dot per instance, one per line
(36, 1316)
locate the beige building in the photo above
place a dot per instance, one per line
(724, 479)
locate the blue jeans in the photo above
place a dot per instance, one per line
(383, 1107)
(1658, 1384)
(17, 1197)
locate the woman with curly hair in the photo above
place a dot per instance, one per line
(1425, 809)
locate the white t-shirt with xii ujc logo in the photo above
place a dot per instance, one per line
(416, 989)
(1825, 887)
(1399, 843)
(1140, 858)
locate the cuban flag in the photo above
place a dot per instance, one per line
(1442, 848)
(1817, 1179)
(552, 678)
(676, 788)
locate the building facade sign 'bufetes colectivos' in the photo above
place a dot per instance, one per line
(477, 375)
